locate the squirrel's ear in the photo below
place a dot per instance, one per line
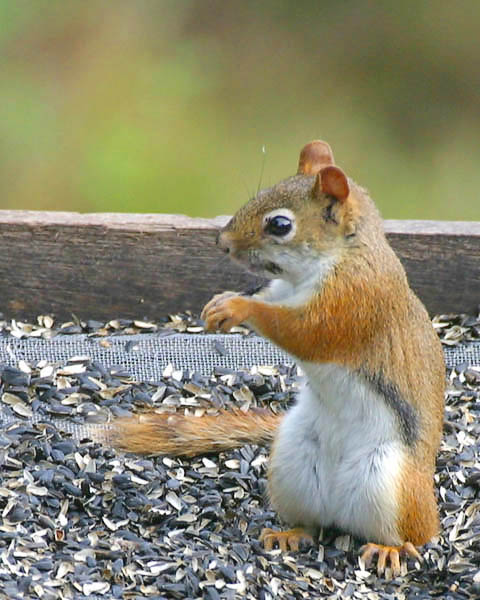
(332, 181)
(313, 157)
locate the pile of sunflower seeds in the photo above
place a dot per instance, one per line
(454, 329)
(80, 520)
(46, 326)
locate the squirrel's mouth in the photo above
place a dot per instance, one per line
(273, 268)
(265, 268)
(257, 264)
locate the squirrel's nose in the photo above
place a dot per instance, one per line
(223, 242)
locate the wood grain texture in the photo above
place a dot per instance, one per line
(442, 260)
(103, 266)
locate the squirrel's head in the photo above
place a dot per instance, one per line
(311, 216)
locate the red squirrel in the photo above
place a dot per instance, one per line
(357, 450)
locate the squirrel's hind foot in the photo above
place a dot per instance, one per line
(286, 540)
(390, 554)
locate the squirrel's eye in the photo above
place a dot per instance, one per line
(278, 226)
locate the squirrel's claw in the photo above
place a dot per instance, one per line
(286, 540)
(214, 301)
(224, 311)
(390, 554)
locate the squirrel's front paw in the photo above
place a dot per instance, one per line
(226, 310)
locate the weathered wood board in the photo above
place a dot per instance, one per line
(104, 266)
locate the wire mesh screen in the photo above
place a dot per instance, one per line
(145, 356)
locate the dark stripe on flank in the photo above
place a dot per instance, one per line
(406, 415)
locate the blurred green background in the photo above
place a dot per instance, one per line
(165, 106)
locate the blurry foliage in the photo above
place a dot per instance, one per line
(164, 106)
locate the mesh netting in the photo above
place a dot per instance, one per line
(463, 354)
(145, 356)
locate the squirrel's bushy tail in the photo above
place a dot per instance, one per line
(187, 435)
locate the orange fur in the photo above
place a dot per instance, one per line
(313, 157)
(186, 435)
(418, 516)
(363, 317)
(372, 322)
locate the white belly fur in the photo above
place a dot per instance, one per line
(337, 458)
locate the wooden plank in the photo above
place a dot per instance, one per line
(103, 266)
(442, 260)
